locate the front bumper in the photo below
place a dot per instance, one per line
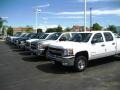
(65, 61)
(37, 52)
(22, 46)
(27, 48)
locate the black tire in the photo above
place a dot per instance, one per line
(80, 63)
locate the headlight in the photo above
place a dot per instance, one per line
(22, 42)
(68, 52)
(41, 46)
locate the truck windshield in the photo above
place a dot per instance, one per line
(22, 35)
(81, 37)
(44, 36)
(38, 35)
(54, 36)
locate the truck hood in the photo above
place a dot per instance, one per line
(70, 45)
(13, 37)
(47, 42)
(31, 40)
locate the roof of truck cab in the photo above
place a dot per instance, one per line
(97, 31)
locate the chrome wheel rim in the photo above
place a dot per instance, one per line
(81, 64)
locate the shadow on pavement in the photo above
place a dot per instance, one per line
(33, 59)
(25, 53)
(15, 48)
(101, 61)
(50, 68)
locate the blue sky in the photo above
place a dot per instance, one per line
(60, 12)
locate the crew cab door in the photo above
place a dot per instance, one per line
(97, 46)
(110, 44)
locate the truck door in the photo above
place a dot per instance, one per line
(97, 46)
(110, 44)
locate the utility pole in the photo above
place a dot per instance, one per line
(90, 19)
(36, 15)
(38, 10)
(85, 16)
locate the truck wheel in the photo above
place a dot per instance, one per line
(80, 63)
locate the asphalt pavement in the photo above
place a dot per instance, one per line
(21, 71)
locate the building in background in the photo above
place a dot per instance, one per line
(77, 28)
(22, 29)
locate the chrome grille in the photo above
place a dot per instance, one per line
(55, 51)
(33, 46)
(27, 44)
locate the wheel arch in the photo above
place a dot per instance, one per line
(83, 53)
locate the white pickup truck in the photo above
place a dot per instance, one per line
(40, 48)
(83, 47)
(39, 37)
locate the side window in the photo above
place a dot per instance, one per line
(97, 38)
(108, 36)
(65, 37)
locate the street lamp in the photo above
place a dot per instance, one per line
(38, 10)
(45, 23)
(36, 14)
(90, 19)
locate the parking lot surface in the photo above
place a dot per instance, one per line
(21, 71)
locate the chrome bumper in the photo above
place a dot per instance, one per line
(65, 61)
(37, 52)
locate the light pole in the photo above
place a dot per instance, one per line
(36, 15)
(38, 10)
(90, 19)
(85, 15)
(45, 23)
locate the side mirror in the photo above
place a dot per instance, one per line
(63, 39)
(94, 41)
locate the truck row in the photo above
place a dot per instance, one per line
(69, 48)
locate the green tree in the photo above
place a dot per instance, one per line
(59, 29)
(96, 26)
(2, 28)
(67, 29)
(50, 30)
(10, 31)
(39, 30)
(112, 28)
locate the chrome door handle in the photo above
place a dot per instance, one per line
(113, 43)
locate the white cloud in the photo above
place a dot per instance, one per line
(97, 0)
(42, 6)
(106, 12)
(68, 17)
(94, 12)
(70, 13)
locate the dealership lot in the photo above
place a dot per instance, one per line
(21, 71)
